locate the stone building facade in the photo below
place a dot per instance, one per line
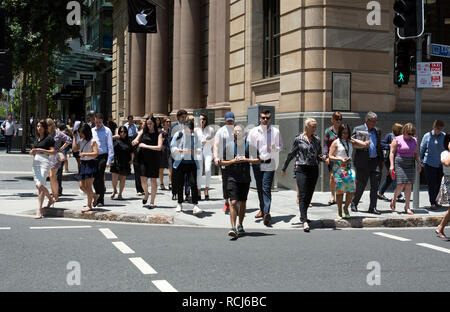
(231, 54)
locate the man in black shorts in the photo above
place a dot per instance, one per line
(238, 183)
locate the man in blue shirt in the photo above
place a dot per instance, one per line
(368, 163)
(103, 136)
(430, 156)
(132, 129)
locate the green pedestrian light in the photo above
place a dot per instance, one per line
(401, 78)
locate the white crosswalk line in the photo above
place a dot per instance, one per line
(143, 266)
(164, 286)
(434, 247)
(392, 236)
(108, 233)
(5, 228)
(59, 227)
(123, 248)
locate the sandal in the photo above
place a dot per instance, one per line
(94, 203)
(392, 205)
(440, 234)
(331, 202)
(162, 187)
(120, 197)
(86, 210)
(409, 211)
(51, 203)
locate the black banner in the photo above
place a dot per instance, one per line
(141, 16)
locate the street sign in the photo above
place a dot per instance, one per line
(440, 50)
(429, 75)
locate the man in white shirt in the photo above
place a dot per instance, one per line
(223, 149)
(9, 128)
(103, 136)
(265, 141)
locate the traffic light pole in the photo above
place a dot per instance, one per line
(418, 119)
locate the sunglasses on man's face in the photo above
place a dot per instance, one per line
(265, 118)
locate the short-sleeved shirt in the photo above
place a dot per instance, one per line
(444, 155)
(46, 143)
(240, 172)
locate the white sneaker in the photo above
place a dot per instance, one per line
(197, 210)
(179, 208)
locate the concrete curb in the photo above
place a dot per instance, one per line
(428, 221)
(355, 222)
(108, 216)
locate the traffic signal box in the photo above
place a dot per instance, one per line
(404, 55)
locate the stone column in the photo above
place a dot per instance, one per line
(176, 56)
(148, 74)
(159, 84)
(137, 74)
(190, 56)
(212, 53)
(222, 46)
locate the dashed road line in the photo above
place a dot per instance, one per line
(108, 233)
(392, 237)
(5, 228)
(164, 286)
(143, 266)
(434, 247)
(59, 227)
(123, 248)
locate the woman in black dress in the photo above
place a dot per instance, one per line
(123, 158)
(150, 145)
(166, 160)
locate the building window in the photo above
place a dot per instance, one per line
(271, 66)
(437, 22)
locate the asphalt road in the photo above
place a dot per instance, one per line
(199, 259)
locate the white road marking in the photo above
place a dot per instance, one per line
(164, 286)
(16, 172)
(143, 266)
(123, 248)
(108, 233)
(392, 236)
(59, 227)
(5, 228)
(434, 247)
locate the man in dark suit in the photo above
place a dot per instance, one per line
(368, 163)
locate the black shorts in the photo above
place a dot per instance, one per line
(238, 191)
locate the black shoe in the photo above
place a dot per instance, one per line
(354, 208)
(206, 197)
(374, 211)
(144, 201)
(401, 199)
(174, 197)
(267, 219)
(382, 197)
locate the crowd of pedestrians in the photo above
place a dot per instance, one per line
(188, 148)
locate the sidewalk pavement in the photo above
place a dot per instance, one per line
(284, 210)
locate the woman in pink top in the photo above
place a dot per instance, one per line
(404, 151)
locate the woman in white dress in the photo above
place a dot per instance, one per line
(43, 146)
(207, 137)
